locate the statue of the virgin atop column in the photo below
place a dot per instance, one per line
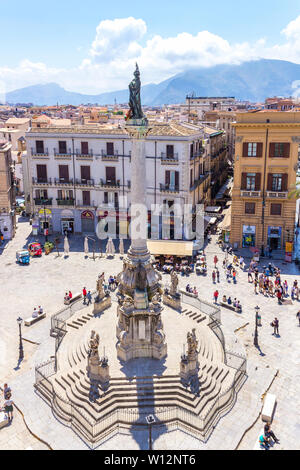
(135, 111)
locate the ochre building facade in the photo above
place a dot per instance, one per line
(266, 162)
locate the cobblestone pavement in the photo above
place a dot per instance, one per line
(44, 283)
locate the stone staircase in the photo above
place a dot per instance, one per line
(78, 402)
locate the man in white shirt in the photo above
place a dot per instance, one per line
(40, 310)
(35, 313)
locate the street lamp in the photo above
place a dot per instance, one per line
(257, 309)
(21, 352)
(43, 201)
(150, 420)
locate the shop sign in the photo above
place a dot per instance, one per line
(87, 215)
(44, 212)
(249, 229)
(274, 232)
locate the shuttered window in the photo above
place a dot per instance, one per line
(275, 209)
(85, 172)
(110, 148)
(252, 149)
(84, 148)
(41, 171)
(279, 150)
(63, 171)
(62, 147)
(249, 207)
(39, 144)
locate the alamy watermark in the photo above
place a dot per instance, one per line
(165, 221)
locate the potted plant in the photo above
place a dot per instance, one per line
(48, 247)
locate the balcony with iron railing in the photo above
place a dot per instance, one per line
(169, 158)
(110, 183)
(199, 181)
(85, 182)
(197, 154)
(40, 153)
(89, 155)
(106, 157)
(86, 204)
(43, 202)
(65, 202)
(41, 181)
(63, 181)
(169, 188)
(58, 154)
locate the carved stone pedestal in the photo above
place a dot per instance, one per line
(172, 301)
(98, 371)
(139, 330)
(101, 305)
(189, 364)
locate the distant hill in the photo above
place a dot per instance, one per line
(253, 81)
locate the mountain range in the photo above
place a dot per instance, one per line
(252, 81)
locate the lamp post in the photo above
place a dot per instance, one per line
(257, 309)
(45, 220)
(150, 420)
(21, 352)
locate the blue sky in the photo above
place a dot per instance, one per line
(59, 40)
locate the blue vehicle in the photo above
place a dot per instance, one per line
(23, 257)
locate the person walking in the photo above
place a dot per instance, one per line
(250, 278)
(6, 392)
(269, 433)
(216, 261)
(89, 298)
(84, 293)
(234, 276)
(255, 286)
(216, 295)
(213, 275)
(8, 408)
(218, 275)
(298, 316)
(275, 325)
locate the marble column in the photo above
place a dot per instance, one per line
(139, 216)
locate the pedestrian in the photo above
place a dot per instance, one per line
(84, 295)
(298, 316)
(89, 297)
(234, 276)
(255, 286)
(216, 261)
(263, 441)
(286, 288)
(216, 295)
(8, 408)
(213, 275)
(218, 275)
(6, 392)
(275, 325)
(279, 296)
(250, 278)
(34, 313)
(269, 433)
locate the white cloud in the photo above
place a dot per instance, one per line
(292, 31)
(118, 38)
(119, 43)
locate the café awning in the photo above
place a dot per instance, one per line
(226, 222)
(170, 248)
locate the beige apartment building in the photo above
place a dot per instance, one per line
(266, 161)
(7, 192)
